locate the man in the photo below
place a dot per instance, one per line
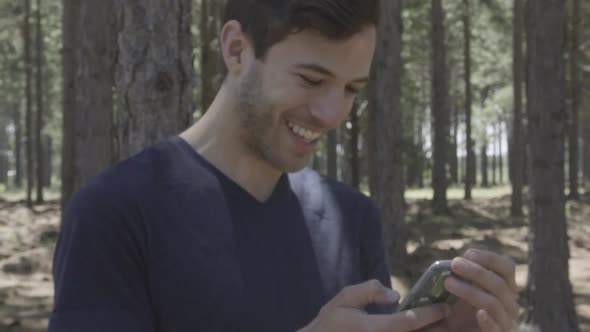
(208, 231)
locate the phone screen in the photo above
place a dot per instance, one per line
(430, 287)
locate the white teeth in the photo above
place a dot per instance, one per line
(306, 134)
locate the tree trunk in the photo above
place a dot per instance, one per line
(517, 148)
(28, 104)
(154, 75)
(454, 159)
(389, 139)
(549, 291)
(440, 110)
(70, 40)
(575, 86)
(353, 147)
(3, 153)
(93, 123)
(586, 147)
(39, 94)
(332, 141)
(211, 64)
(371, 136)
(421, 161)
(484, 166)
(470, 162)
(500, 158)
(48, 158)
(18, 139)
(494, 182)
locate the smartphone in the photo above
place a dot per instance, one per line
(430, 287)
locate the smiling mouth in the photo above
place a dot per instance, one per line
(307, 135)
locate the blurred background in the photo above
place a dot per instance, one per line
(473, 132)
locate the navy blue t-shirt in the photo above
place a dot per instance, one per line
(165, 242)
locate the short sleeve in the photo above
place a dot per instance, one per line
(100, 266)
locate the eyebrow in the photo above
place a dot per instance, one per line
(325, 71)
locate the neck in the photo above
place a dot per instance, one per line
(217, 137)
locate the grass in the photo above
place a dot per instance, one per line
(459, 192)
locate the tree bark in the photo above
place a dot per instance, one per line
(28, 104)
(548, 281)
(93, 122)
(574, 124)
(389, 139)
(440, 110)
(70, 38)
(154, 72)
(517, 151)
(40, 113)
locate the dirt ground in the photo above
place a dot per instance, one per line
(27, 241)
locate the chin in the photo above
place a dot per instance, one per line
(292, 166)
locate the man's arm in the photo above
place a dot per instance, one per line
(99, 266)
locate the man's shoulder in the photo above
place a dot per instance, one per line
(164, 166)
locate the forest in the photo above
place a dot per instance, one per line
(474, 131)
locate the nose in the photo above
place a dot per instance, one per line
(331, 108)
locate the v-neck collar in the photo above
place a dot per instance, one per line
(281, 188)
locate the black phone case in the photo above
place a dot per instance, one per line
(430, 287)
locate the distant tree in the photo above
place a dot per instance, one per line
(39, 148)
(517, 150)
(440, 110)
(575, 88)
(470, 162)
(28, 102)
(353, 146)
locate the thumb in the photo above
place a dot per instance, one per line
(358, 296)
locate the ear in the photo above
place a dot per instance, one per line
(235, 47)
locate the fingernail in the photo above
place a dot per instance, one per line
(471, 254)
(461, 265)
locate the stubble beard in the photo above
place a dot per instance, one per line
(256, 118)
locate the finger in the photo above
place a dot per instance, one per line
(486, 323)
(410, 320)
(479, 299)
(489, 281)
(501, 265)
(358, 296)
(439, 326)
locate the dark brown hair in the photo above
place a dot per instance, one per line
(267, 22)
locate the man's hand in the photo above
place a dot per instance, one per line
(344, 313)
(488, 293)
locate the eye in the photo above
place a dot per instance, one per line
(310, 81)
(352, 90)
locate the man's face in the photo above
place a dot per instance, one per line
(304, 87)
